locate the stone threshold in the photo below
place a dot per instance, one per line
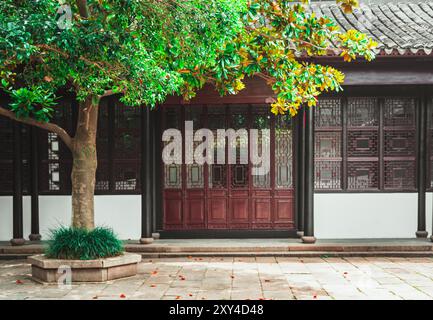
(253, 247)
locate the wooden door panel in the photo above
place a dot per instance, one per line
(283, 210)
(262, 209)
(196, 212)
(239, 209)
(228, 196)
(218, 209)
(173, 211)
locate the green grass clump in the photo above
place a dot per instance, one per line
(82, 244)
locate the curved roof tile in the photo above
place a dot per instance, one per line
(400, 27)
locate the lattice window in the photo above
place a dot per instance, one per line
(6, 156)
(328, 113)
(56, 158)
(328, 140)
(194, 172)
(399, 112)
(102, 176)
(53, 165)
(217, 172)
(127, 151)
(172, 172)
(262, 120)
(431, 146)
(328, 144)
(103, 148)
(327, 174)
(362, 112)
(362, 175)
(126, 175)
(400, 143)
(239, 172)
(363, 143)
(368, 143)
(283, 152)
(400, 175)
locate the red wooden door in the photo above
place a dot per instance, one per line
(228, 196)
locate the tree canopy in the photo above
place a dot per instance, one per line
(149, 49)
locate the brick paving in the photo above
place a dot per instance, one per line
(224, 278)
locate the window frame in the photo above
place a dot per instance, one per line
(380, 98)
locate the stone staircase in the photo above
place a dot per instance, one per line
(175, 248)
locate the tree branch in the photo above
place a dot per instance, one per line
(83, 8)
(43, 125)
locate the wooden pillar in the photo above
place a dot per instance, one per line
(34, 187)
(421, 118)
(308, 236)
(154, 137)
(145, 172)
(300, 171)
(17, 188)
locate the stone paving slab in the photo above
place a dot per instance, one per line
(242, 278)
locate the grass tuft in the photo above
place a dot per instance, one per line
(81, 244)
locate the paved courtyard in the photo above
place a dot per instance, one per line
(242, 278)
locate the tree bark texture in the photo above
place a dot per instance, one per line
(84, 165)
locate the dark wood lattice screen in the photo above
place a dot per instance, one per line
(6, 156)
(378, 149)
(328, 137)
(118, 148)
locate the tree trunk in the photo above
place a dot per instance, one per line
(84, 165)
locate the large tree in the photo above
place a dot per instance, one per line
(145, 50)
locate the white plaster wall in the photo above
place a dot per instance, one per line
(337, 216)
(368, 215)
(121, 212)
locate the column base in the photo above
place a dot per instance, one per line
(35, 237)
(299, 234)
(156, 235)
(421, 234)
(17, 241)
(146, 240)
(308, 239)
(431, 238)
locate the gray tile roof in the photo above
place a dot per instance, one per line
(400, 27)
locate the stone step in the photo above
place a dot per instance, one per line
(253, 248)
(280, 249)
(293, 254)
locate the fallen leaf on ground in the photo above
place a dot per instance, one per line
(155, 272)
(122, 296)
(18, 281)
(152, 286)
(178, 297)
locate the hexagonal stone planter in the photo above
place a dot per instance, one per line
(100, 270)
